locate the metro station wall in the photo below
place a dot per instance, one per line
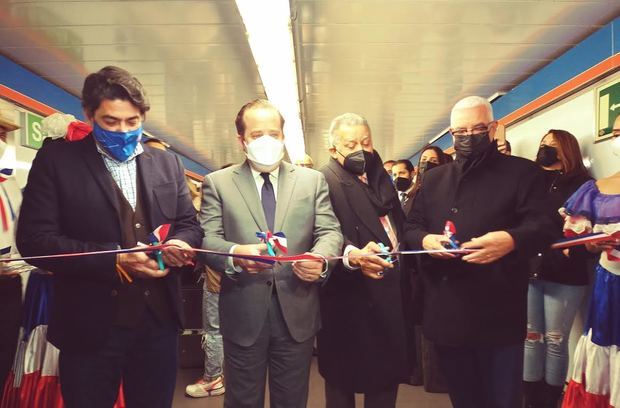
(576, 114)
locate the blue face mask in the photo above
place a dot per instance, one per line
(119, 145)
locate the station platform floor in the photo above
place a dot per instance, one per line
(408, 396)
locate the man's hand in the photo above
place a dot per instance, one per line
(603, 245)
(493, 246)
(309, 271)
(247, 264)
(372, 266)
(434, 242)
(180, 254)
(139, 265)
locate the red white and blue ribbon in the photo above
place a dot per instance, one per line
(585, 239)
(273, 241)
(278, 240)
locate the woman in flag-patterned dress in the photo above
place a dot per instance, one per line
(595, 381)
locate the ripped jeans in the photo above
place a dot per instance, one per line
(212, 339)
(551, 309)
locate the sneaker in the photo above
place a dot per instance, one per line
(204, 388)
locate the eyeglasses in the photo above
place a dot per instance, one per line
(477, 130)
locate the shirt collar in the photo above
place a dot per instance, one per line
(257, 174)
(103, 152)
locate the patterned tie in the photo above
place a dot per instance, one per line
(403, 198)
(268, 199)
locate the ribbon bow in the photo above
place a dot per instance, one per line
(156, 237)
(277, 240)
(449, 231)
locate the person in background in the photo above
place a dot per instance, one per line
(114, 316)
(211, 383)
(558, 278)
(269, 314)
(10, 283)
(403, 174)
(387, 165)
(362, 342)
(595, 207)
(475, 307)
(431, 157)
(504, 147)
(305, 162)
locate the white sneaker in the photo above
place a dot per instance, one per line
(203, 388)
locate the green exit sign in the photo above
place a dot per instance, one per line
(31, 130)
(608, 108)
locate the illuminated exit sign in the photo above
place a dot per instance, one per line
(31, 130)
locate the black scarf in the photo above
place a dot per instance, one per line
(379, 190)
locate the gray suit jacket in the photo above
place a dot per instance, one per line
(232, 213)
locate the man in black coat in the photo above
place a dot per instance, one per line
(105, 192)
(362, 343)
(475, 305)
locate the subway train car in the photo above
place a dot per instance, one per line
(363, 193)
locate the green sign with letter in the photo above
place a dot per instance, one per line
(31, 130)
(608, 108)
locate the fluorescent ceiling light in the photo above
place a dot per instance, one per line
(268, 27)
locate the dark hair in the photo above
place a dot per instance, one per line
(256, 103)
(441, 156)
(572, 161)
(113, 83)
(407, 164)
(389, 161)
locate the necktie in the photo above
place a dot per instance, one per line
(268, 199)
(403, 198)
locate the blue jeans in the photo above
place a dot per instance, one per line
(212, 339)
(551, 309)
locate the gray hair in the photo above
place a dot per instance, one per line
(471, 102)
(347, 119)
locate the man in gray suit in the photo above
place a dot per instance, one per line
(269, 315)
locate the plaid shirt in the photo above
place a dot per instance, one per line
(124, 173)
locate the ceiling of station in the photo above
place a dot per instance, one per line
(402, 64)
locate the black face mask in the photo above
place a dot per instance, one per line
(470, 147)
(357, 162)
(547, 155)
(402, 183)
(425, 166)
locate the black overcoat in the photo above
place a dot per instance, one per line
(362, 343)
(477, 305)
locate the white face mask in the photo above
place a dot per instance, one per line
(265, 153)
(615, 146)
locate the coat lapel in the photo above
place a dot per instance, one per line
(359, 202)
(100, 173)
(244, 181)
(286, 185)
(146, 169)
